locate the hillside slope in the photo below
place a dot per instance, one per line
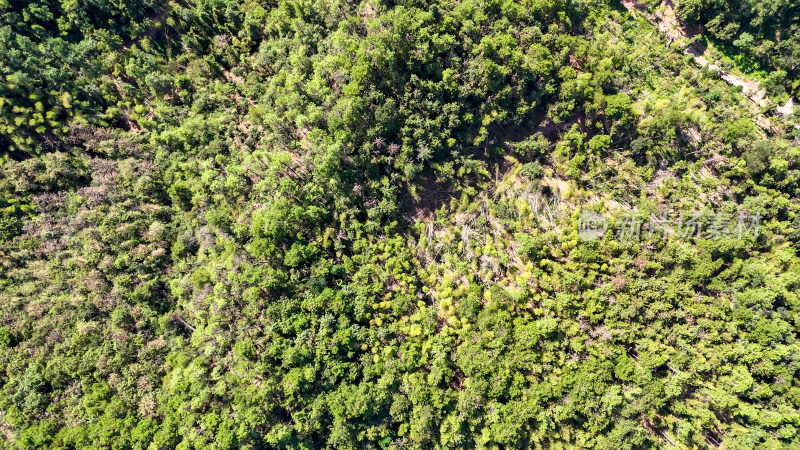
(325, 224)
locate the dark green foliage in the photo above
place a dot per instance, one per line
(757, 157)
(764, 31)
(304, 225)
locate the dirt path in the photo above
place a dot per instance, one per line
(668, 24)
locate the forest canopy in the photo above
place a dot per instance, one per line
(312, 224)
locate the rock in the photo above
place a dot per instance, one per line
(788, 108)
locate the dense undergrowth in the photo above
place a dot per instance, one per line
(308, 224)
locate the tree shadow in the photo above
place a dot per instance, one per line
(433, 194)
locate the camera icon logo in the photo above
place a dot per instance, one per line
(591, 226)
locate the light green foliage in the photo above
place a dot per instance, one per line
(327, 224)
